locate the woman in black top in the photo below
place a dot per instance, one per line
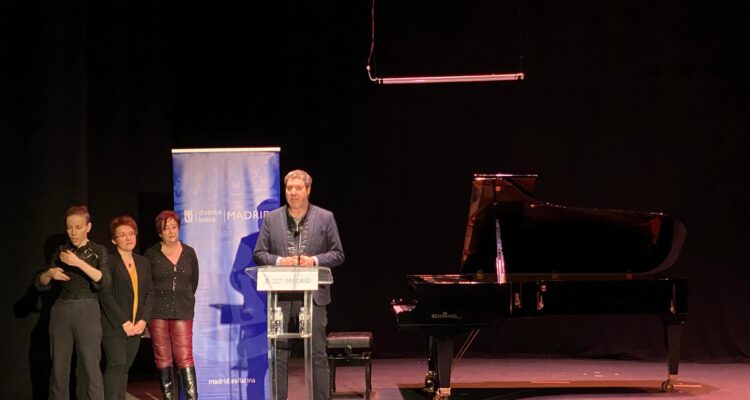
(126, 305)
(174, 268)
(80, 267)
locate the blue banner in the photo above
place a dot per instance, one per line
(222, 196)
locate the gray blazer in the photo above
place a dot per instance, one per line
(323, 242)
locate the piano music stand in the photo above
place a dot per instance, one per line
(278, 279)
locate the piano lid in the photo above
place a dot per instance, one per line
(507, 226)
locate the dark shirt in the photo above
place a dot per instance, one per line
(296, 244)
(80, 285)
(174, 285)
(296, 235)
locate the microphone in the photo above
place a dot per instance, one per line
(298, 240)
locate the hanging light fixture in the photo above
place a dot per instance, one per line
(514, 76)
(517, 76)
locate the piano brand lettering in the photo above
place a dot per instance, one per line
(445, 315)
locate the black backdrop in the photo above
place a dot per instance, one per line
(630, 105)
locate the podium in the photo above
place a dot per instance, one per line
(282, 279)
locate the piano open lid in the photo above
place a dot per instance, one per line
(536, 237)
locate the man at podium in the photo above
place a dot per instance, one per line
(301, 234)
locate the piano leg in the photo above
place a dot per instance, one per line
(430, 380)
(444, 361)
(672, 335)
(438, 379)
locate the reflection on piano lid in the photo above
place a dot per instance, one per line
(508, 228)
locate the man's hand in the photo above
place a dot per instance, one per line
(302, 261)
(288, 261)
(306, 261)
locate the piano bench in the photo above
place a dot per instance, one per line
(349, 349)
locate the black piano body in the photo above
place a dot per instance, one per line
(526, 258)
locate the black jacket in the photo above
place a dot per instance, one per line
(117, 300)
(174, 285)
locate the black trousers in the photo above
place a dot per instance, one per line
(119, 353)
(75, 324)
(320, 359)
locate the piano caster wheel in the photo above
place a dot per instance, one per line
(667, 386)
(429, 382)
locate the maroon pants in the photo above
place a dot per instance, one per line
(173, 342)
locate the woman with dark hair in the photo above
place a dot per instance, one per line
(126, 305)
(174, 267)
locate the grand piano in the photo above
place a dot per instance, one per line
(525, 258)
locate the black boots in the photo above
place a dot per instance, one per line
(166, 383)
(189, 383)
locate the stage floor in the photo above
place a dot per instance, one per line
(524, 378)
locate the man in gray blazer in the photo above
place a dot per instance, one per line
(305, 235)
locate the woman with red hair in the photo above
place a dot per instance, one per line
(174, 267)
(126, 305)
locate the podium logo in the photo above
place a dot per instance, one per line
(189, 216)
